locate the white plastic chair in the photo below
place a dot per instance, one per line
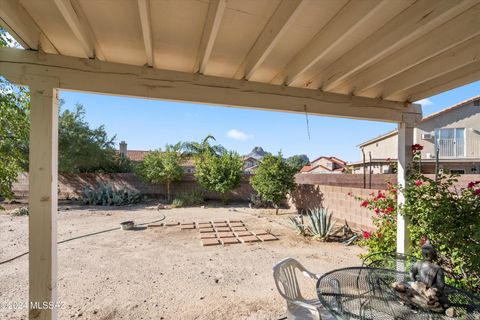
(285, 276)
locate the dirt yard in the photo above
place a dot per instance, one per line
(162, 273)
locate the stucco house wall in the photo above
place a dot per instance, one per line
(464, 115)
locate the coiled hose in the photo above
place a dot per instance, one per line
(84, 236)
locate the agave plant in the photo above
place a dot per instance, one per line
(298, 224)
(321, 223)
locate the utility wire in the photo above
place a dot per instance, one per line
(306, 117)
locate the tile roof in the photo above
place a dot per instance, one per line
(136, 155)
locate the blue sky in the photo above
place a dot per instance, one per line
(150, 124)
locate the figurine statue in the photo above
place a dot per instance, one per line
(428, 272)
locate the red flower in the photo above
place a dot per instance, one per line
(472, 184)
(364, 203)
(418, 183)
(349, 193)
(477, 192)
(380, 195)
(377, 211)
(388, 210)
(366, 234)
(417, 147)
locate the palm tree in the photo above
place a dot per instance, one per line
(194, 149)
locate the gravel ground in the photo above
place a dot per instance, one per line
(163, 273)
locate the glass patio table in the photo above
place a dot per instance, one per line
(366, 293)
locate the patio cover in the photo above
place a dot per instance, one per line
(365, 59)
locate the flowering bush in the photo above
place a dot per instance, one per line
(384, 204)
(436, 210)
(450, 218)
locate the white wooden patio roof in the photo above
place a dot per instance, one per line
(396, 50)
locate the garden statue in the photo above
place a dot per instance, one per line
(428, 284)
(428, 272)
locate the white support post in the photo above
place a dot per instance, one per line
(43, 179)
(405, 142)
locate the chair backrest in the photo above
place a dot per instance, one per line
(389, 260)
(285, 276)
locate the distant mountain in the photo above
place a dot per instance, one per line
(256, 153)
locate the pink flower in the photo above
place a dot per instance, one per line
(364, 203)
(471, 184)
(366, 234)
(418, 183)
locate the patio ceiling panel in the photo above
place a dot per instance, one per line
(378, 49)
(117, 29)
(353, 23)
(452, 33)
(177, 28)
(314, 15)
(51, 22)
(242, 24)
(418, 19)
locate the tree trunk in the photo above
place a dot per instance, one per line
(276, 210)
(168, 192)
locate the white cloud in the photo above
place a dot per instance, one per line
(238, 135)
(425, 102)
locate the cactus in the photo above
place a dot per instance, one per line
(106, 195)
(298, 224)
(321, 223)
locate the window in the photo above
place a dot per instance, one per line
(457, 171)
(450, 142)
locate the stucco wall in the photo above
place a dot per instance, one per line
(383, 149)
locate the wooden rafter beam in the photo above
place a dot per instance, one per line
(453, 33)
(417, 20)
(339, 35)
(463, 55)
(79, 28)
(280, 21)
(459, 77)
(210, 31)
(16, 20)
(145, 20)
(127, 80)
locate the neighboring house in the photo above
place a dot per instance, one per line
(250, 164)
(454, 132)
(325, 165)
(188, 165)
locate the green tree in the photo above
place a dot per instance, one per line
(219, 173)
(273, 179)
(297, 162)
(14, 129)
(81, 148)
(198, 149)
(163, 166)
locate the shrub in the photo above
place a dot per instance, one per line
(257, 201)
(384, 204)
(188, 199)
(23, 211)
(450, 219)
(105, 195)
(438, 211)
